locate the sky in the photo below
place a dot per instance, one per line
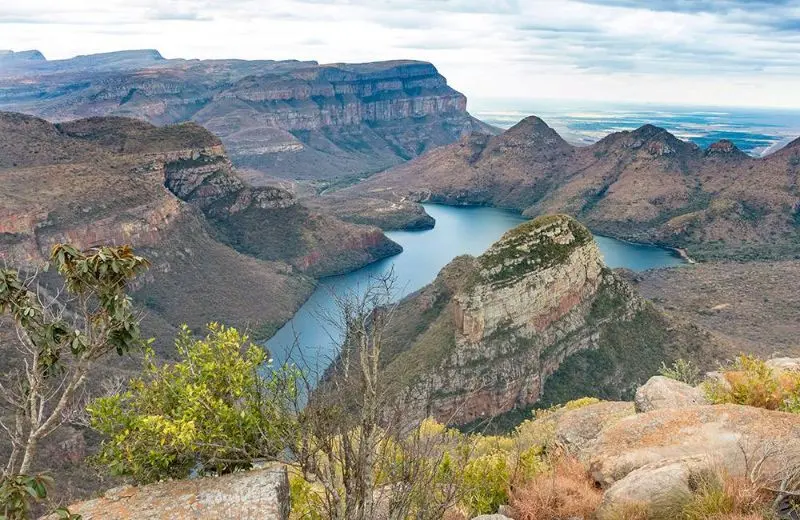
(690, 52)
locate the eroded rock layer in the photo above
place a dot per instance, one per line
(288, 118)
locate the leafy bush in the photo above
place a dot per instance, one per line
(20, 492)
(214, 411)
(306, 501)
(486, 482)
(681, 370)
(751, 382)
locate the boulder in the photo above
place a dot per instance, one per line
(662, 392)
(262, 494)
(651, 455)
(660, 483)
(784, 364)
(577, 430)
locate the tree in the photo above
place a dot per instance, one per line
(59, 341)
(363, 448)
(219, 408)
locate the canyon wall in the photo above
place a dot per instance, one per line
(288, 119)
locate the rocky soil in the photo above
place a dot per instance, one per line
(753, 304)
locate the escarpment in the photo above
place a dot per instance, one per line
(289, 118)
(537, 318)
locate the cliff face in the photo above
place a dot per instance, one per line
(498, 329)
(290, 119)
(644, 185)
(170, 192)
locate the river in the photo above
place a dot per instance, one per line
(458, 231)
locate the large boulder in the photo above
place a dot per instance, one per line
(259, 494)
(653, 455)
(577, 430)
(663, 392)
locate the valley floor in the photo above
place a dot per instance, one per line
(754, 304)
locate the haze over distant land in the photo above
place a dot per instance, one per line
(722, 53)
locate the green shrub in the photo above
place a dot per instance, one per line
(681, 370)
(486, 481)
(215, 411)
(751, 382)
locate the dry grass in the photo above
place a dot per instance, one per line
(723, 497)
(565, 492)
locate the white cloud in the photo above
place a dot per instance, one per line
(699, 52)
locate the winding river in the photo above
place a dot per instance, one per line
(458, 231)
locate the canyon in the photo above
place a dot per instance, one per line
(535, 320)
(286, 119)
(172, 193)
(644, 185)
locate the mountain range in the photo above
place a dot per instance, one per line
(288, 119)
(644, 185)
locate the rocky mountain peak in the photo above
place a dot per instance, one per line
(537, 298)
(532, 132)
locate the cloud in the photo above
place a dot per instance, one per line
(715, 50)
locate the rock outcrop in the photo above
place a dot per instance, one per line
(259, 494)
(289, 119)
(644, 185)
(652, 456)
(498, 330)
(662, 392)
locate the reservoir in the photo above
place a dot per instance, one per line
(458, 231)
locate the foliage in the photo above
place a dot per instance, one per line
(100, 321)
(487, 479)
(750, 381)
(307, 501)
(681, 370)
(215, 410)
(20, 492)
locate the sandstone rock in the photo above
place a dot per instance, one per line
(784, 364)
(722, 433)
(662, 392)
(578, 430)
(656, 484)
(258, 494)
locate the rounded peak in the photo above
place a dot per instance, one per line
(649, 131)
(538, 244)
(530, 122)
(532, 129)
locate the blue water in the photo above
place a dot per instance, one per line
(458, 231)
(754, 131)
